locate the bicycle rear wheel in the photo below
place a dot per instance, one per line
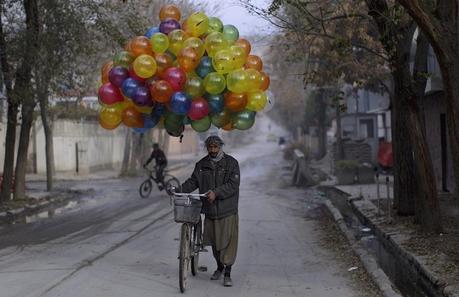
(170, 182)
(145, 188)
(184, 256)
(196, 247)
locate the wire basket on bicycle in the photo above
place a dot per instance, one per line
(187, 210)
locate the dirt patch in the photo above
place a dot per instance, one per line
(332, 239)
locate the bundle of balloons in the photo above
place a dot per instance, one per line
(198, 72)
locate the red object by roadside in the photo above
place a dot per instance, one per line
(385, 156)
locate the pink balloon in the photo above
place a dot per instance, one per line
(109, 94)
(176, 77)
(199, 109)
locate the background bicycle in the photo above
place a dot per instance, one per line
(187, 210)
(168, 183)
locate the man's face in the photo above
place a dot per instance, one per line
(213, 150)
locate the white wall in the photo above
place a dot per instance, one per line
(97, 148)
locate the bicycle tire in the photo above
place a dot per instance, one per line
(171, 181)
(196, 247)
(184, 256)
(145, 188)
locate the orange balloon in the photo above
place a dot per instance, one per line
(105, 71)
(235, 101)
(245, 44)
(254, 62)
(163, 61)
(265, 81)
(228, 127)
(140, 45)
(161, 91)
(188, 59)
(169, 11)
(132, 117)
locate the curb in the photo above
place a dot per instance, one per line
(50, 206)
(371, 266)
(449, 290)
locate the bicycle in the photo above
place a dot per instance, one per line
(187, 210)
(169, 182)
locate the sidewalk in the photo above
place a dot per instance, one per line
(433, 259)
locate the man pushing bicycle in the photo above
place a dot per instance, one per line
(217, 175)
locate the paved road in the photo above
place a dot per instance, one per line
(116, 244)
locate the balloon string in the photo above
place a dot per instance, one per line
(181, 137)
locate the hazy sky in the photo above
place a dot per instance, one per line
(233, 13)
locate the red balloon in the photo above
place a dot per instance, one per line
(132, 117)
(199, 109)
(161, 91)
(109, 94)
(176, 77)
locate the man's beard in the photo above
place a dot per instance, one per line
(213, 155)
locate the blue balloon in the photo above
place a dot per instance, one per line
(150, 121)
(140, 130)
(205, 67)
(129, 87)
(159, 110)
(152, 31)
(180, 103)
(216, 103)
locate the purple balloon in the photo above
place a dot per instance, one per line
(142, 96)
(117, 75)
(168, 26)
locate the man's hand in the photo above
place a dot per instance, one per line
(211, 196)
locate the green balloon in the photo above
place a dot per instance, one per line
(215, 25)
(214, 83)
(201, 125)
(123, 59)
(221, 119)
(244, 120)
(174, 124)
(194, 86)
(230, 33)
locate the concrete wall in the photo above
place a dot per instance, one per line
(97, 148)
(433, 106)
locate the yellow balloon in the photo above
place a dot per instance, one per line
(256, 101)
(214, 83)
(198, 24)
(223, 61)
(176, 39)
(159, 42)
(239, 56)
(144, 66)
(253, 80)
(215, 41)
(236, 81)
(195, 43)
(109, 118)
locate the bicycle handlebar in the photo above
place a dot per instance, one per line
(195, 196)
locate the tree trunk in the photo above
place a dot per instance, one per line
(10, 141)
(339, 140)
(321, 119)
(127, 153)
(47, 128)
(24, 139)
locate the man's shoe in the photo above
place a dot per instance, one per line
(227, 282)
(160, 187)
(217, 275)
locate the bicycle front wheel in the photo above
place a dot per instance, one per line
(196, 247)
(145, 188)
(184, 256)
(171, 182)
